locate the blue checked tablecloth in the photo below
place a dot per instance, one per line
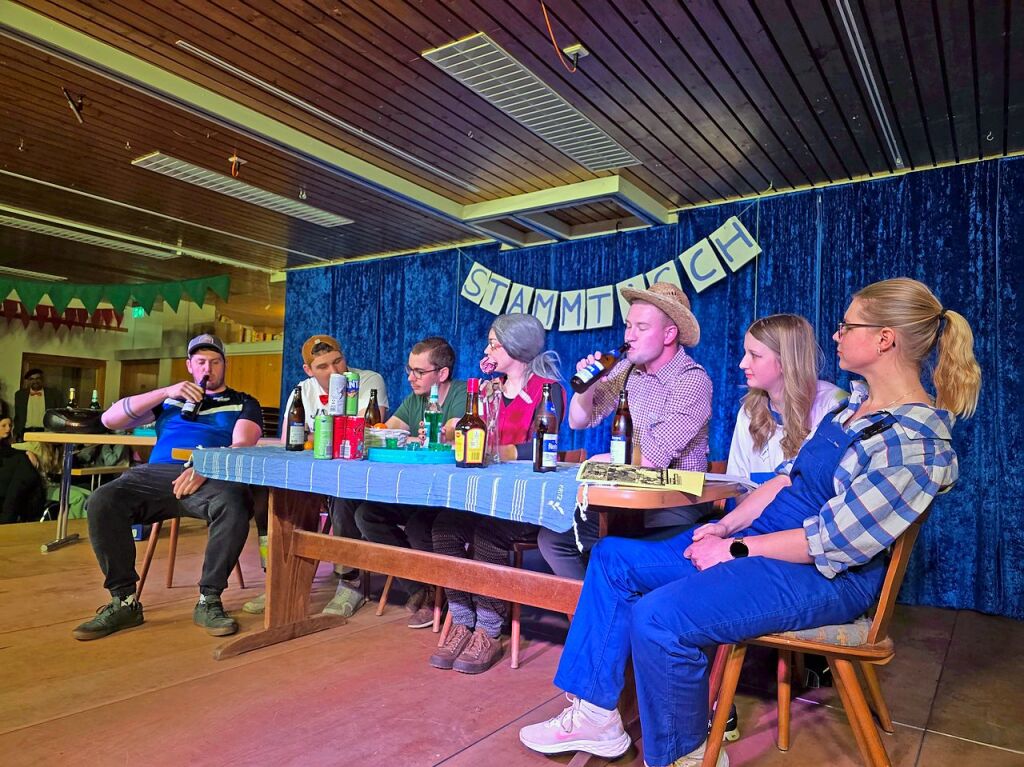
(508, 490)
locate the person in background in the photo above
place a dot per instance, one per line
(669, 400)
(322, 355)
(164, 488)
(22, 495)
(784, 401)
(515, 350)
(431, 363)
(807, 548)
(31, 402)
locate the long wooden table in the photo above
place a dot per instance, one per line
(69, 441)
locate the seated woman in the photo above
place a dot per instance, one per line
(22, 496)
(785, 400)
(515, 349)
(805, 549)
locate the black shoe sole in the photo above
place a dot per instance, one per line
(442, 663)
(88, 636)
(223, 631)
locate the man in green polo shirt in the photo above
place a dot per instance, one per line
(431, 362)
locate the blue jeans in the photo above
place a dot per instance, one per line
(644, 598)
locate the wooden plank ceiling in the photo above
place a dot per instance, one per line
(718, 100)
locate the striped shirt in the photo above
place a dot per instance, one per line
(882, 484)
(670, 410)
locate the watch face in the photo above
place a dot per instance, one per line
(738, 549)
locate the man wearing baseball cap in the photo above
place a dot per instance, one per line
(321, 356)
(165, 488)
(669, 400)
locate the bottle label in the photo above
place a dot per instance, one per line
(589, 372)
(549, 451)
(618, 449)
(323, 437)
(296, 433)
(460, 446)
(475, 439)
(432, 427)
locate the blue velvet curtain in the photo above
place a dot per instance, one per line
(958, 229)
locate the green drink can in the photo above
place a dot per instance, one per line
(323, 435)
(351, 393)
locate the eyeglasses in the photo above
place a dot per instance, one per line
(493, 344)
(417, 373)
(844, 326)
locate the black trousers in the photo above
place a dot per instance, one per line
(144, 495)
(397, 524)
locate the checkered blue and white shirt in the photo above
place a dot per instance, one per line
(883, 483)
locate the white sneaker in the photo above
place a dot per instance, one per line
(575, 730)
(696, 757)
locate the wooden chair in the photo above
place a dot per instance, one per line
(861, 644)
(147, 559)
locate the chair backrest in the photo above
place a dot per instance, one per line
(573, 456)
(898, 560)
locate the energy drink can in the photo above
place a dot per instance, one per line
(336, 394)
(323, 435)
(351, 393)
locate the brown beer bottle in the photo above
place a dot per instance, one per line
(588, 376)
(545, 435)
(295, 433)
(622, 432)
(190, 410)
(72, 398)
(471, 430)
(372, 414)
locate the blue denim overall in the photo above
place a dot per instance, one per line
(644, 598)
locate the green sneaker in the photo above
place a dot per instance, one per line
(115, 615)
(209, 614)
(256, 606)
(345, 601)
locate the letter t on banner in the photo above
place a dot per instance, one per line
(600, 307)
(735, 244)
(497, 290)
(476, 283)
(701, 266)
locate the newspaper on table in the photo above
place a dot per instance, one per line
(640, 477)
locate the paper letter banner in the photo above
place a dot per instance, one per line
(494, 296)
(667, 272)
(476, 283)
(572, 311)
(633, 282)
(520, 297)
(701, 265)
(600, 307)
(545, 302)
(735, 244)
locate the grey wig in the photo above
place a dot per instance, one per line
(523, 337)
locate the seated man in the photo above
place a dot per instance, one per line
(321, 356)
(163, 489)
(431, 363)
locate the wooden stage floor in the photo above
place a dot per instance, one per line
(363, 694)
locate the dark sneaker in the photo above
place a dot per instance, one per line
(209, 614)
(458, 638)
(732, 726)
(113, 616)
(480, 654)
(421, 605)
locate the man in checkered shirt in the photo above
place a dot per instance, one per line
(669, 401)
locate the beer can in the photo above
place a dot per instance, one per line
(336, 394)
(351, 393)
(323, 435)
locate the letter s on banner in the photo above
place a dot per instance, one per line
(476, 282)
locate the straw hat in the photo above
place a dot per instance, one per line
(674, 303)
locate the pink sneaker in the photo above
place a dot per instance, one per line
(575, 730)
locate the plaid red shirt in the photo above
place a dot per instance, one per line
(670, 409)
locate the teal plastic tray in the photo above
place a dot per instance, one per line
(401, 455)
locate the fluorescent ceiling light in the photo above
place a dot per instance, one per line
(489, 71)
(305, 106)
(85, 238)
(232, 187)
(29, 274)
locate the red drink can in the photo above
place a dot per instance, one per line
(352, 442)
(339, 436)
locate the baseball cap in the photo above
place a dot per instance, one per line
(307, 348)
(205, 341)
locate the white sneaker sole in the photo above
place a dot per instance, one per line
(606, 748)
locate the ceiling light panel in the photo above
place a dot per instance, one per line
(489, 71)
(85, 238)
(29, 274)
(232, 187)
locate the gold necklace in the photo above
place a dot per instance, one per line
(888, 404)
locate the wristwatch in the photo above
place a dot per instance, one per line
(738, 549)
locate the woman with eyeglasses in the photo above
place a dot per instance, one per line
(514, 351)
(805, 549)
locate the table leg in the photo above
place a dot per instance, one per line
(289, 577)
(63, 539)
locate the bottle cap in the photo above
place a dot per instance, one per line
(472, 386)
